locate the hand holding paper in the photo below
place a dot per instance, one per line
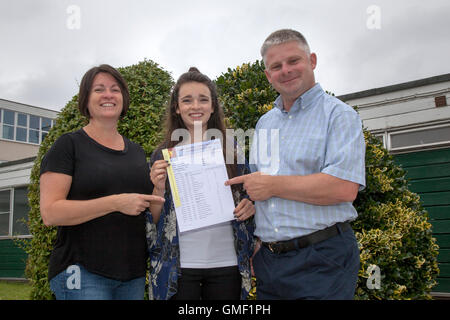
(244, 210)
(158, 174)
(197, 174)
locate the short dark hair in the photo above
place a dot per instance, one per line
(86, 86)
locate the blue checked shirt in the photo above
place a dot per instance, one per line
(319, 134)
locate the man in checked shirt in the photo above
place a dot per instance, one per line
(304, 203)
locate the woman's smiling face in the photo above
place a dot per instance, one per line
(105, 99)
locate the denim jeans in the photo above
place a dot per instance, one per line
(76, 283)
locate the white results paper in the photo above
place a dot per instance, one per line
(197, 175)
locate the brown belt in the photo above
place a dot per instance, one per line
(279, 247)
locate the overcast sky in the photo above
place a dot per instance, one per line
(47, 45)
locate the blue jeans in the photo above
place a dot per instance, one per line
(326, 270)
(76, 283)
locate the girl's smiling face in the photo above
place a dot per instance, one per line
(194, 104)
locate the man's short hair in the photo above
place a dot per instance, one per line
(283, 36)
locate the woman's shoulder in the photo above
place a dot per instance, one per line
(67, 138)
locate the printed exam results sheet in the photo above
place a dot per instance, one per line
(197, 174)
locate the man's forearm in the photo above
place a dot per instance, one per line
(318, 189)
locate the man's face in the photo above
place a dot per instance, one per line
(290, 69)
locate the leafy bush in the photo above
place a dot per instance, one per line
(245, 95)
(149, 88)
(392, 228)
(393, 232)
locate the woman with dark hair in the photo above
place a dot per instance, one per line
(210, 263)
(95, 186)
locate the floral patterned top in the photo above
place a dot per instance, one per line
(164, 250)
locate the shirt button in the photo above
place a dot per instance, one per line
(273, 205)
(290, 117)
(276, 229)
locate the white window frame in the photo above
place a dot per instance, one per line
(11, 198)
(382, 134)
(11, 215)
(416, 146)
(15, 126)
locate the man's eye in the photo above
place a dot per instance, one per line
(276, 67)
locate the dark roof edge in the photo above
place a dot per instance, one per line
(20, 161)
(395, 87)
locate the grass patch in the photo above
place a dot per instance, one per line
(12, 290)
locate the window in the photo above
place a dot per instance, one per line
(8, 132)
(8, 117)
(420, 137)
(5, 210)
(46, 124)
(20, 211)
(34, 129)
(8, 125)
(23, 127)
(14, 212)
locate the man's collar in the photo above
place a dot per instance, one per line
(304, 101)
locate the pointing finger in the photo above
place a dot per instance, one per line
(235, 180)
(149, 197)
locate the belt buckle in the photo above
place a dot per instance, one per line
(271, 248)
